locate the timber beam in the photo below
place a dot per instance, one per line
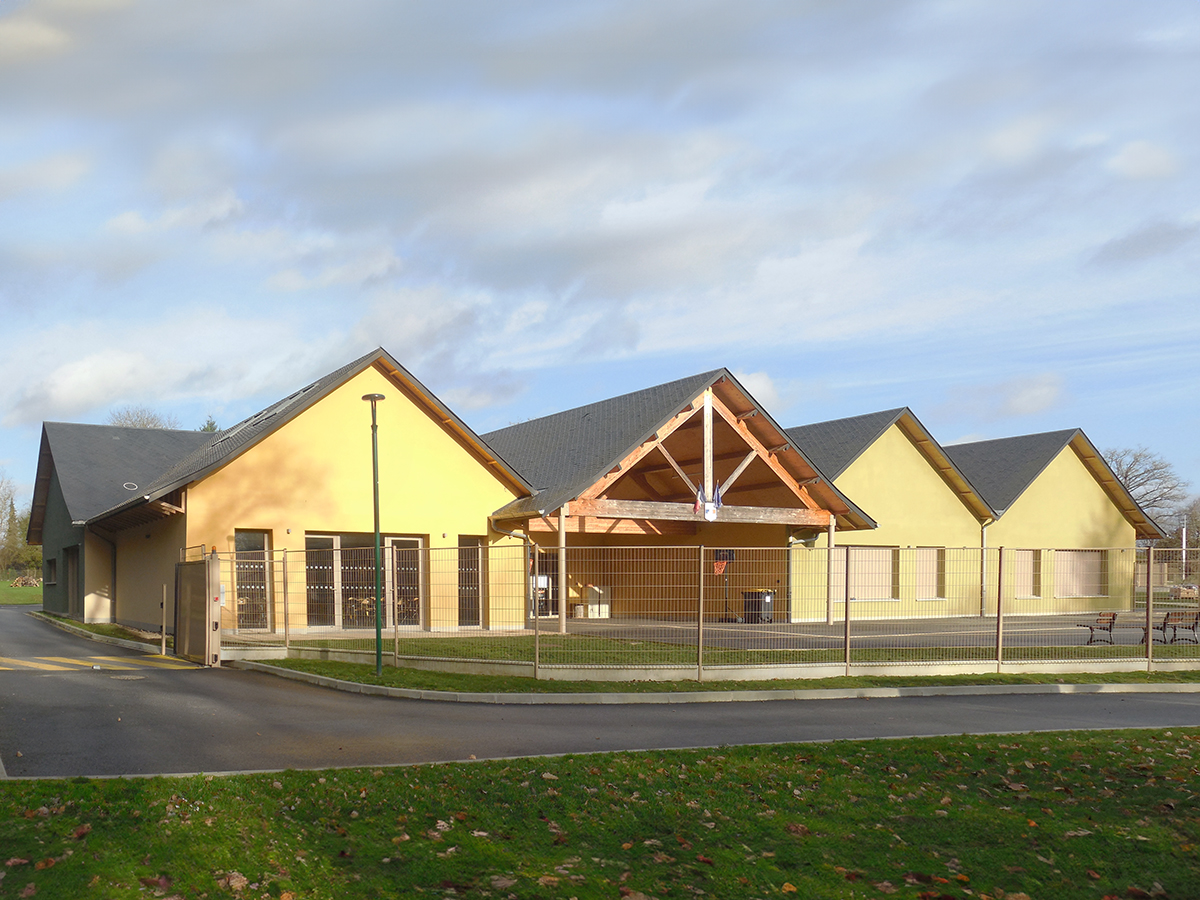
(685, 512)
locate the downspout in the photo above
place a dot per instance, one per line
(983, 566)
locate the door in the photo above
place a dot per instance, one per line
(470, 550)
(320, 581)
(71, 573)
(253, 586)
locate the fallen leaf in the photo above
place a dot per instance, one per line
(157, 881)
(548, 881)
(81, 831)
(502, 882)
(797, 829)
(789, 888)
(700, 857)
(17, 861)
(549, 776)
(885, 887)
(660, 857)
(45, 863)
(30, 889)
(1081, 832)
(1095, 876)
(625, 846)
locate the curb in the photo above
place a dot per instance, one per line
(92, 636)
(963, 690)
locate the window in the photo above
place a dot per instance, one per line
(1081, 573)
(1027, 574)
(50, 571)
(340, 579)
(931, 573)
(874, 573)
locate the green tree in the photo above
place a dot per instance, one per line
(210, 424)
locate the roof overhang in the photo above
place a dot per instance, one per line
(1144, 526)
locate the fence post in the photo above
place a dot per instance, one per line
(536, 615)
(163, 651)
(846, 612)
(287, 631)
(394, 604)
(1150, 608)
(829, 569)
(700, 621)
(999, 608)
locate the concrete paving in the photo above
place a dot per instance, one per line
(153, 720)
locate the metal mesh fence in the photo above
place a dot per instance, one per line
(709, 612)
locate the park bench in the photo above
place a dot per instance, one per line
(1104, 623)
(1185, 620)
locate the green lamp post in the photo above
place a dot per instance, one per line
(373, 399)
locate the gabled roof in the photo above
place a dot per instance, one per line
(564, 454)
(102, 466)
(836, 444)
(225, 446)
(1003, 469)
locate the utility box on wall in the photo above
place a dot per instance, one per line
(598, 601)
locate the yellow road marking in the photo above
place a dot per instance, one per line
(86, 663)
(31, 664)
(153, 662)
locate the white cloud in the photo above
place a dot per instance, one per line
(52, 173)
(1010, 399)
(762, 387)
(1142, 160)
(23, 38)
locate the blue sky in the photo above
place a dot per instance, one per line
(986, 211)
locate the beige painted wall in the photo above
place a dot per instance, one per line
(146, 558)
(314, 475)
(97, 579)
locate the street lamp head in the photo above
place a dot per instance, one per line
(373, 397)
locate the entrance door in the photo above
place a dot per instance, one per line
(470, 567)
(252, 553)
(320, 579)
(74, 594)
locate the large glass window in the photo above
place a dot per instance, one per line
(340, 578)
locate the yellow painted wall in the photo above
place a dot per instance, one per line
(146, 558)
(1064, 507)
(899, 488)
(314, 475)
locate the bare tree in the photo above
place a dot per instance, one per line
(140, 417)
(1150, 479)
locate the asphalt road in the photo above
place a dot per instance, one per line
(75, 720)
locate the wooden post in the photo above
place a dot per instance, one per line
(1150, 608)
(700, 621)
(829, 571)
(163, 651)
(562, 569)
(708, 447)
(536, 631)
(999, 609)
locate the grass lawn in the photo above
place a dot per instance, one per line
(593, 650)
(1105, 814)
(418, 679)
(19, 595)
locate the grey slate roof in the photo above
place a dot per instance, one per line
(1002, 469)
(835, 444)
(562, 454)
(95, 462)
